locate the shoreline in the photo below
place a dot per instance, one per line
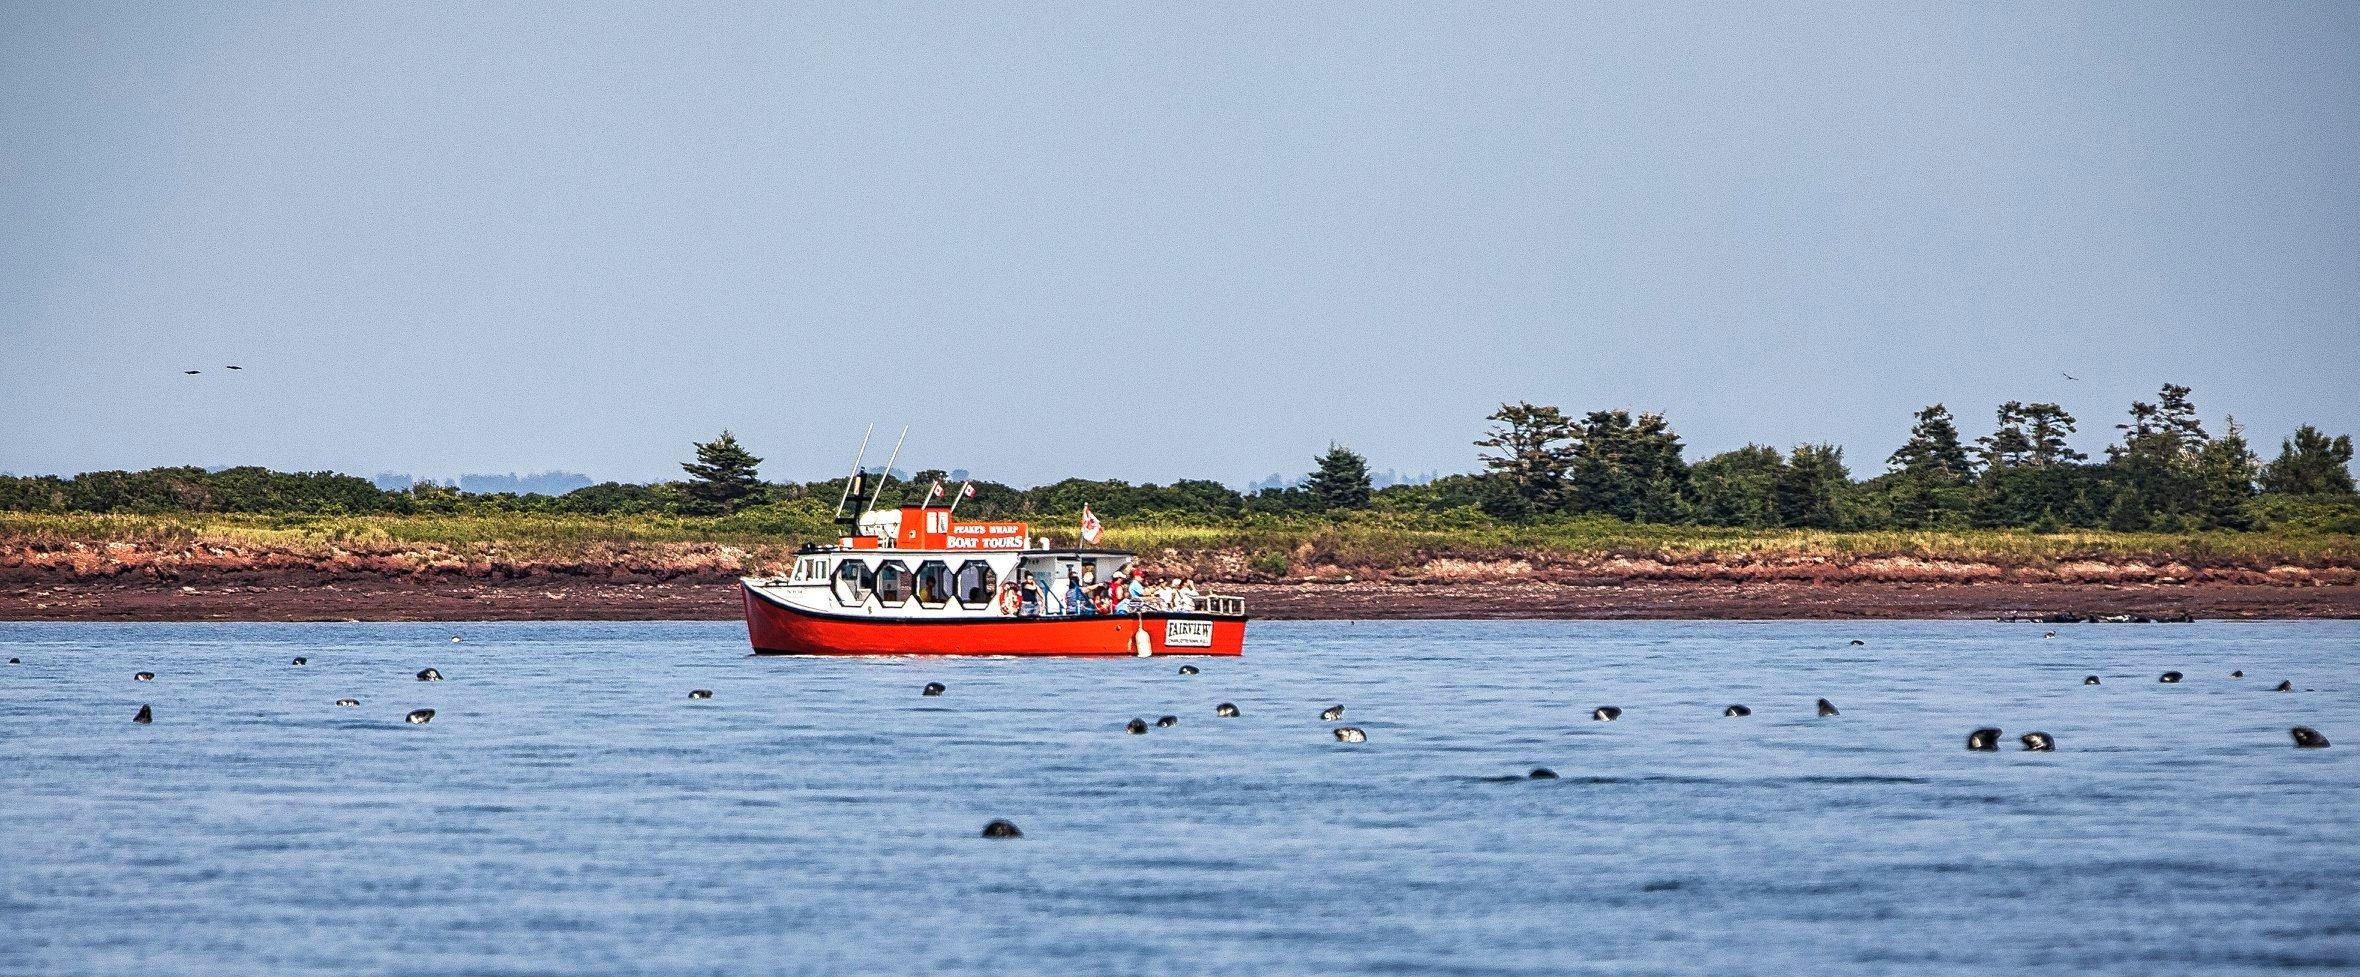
(580, 599)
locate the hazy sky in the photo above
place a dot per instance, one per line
(1151, 240)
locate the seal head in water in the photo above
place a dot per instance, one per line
(2304, 736)
(1001, 829)
(2089, 680)
(1734, 712)
(144, 716)
(348, 703)
(1984, 740)
(1332, 713)
(1827, 708)
(2168, 678)
(429, 675)
(2285, 686)
(302, 661)
(1226, 710)
(143, 676)
(1136, 727)
(1167, 722)
(932, 688)
(1541, 773)
(1187, 669)
(2038, 742)
(700, 693)
(419, 717)
(1605, 714)
(1350, 734)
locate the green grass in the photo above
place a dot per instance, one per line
(1373, 540)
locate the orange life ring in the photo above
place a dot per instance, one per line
(1010, 600)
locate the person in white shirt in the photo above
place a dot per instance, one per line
(1185, 599)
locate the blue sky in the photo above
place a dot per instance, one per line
(1151, 241)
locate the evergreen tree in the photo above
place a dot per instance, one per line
(1341, 482)
(1738, 488)
(1933, 451)
(2311, 463)
(1532, 460)
(722, 478)
(1628, 469)
(2225, 470)
(2158, 461)
(1809, 487)
(2009, 444)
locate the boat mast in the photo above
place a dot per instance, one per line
(888, 475)
(853, 482)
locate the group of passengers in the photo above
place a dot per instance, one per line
(1131, 594)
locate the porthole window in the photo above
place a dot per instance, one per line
(934, 583)
(975, 583)
(893, 583)
(854, 581)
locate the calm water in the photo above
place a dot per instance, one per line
(571, 811)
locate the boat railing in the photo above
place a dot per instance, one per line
(1222, 605)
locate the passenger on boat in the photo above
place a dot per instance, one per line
(1187, 597)
(1077, 600)
(1135, 595)
(1031, 607)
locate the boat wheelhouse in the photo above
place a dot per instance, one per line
(918, 581)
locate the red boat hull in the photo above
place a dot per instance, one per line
(777, 629)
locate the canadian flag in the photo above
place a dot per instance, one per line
(967, 490)
(935, 492)
(1090, 527)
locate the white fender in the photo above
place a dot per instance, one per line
(1141, 645)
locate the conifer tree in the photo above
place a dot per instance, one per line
(1933, 451)
(1341, 481)
(1533, 457)
(722, 478)
(2311, 463)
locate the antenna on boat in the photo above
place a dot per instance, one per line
(852, 484)
(888, 476)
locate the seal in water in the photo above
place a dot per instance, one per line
(348, 702)
(2240, 673)
(932, 688)
(2051, 634)
(1226, 710)
(429, 675)
(1350, 734)
(1856, 642)
(16, 661)
(419, 717)
(1734, 712)
(2038, 742)
(1187, 669)
(2168, 678)
(2089, 680)
(144, 717)
(143, 676)
(454, 639)
(1985, 739)
(1001, 829)
(2304, 736)
(1541, 773)
(700, 693)
(1136, 727)
(1827, 708)
(1605, 714)
(302, 661)
(1332, 713)
(1167, 722)
(2286, 686)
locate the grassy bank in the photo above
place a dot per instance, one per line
(1463, 545)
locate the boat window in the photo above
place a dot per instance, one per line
(934, 583)
(975, 583)
(893, 583)
(854, 580)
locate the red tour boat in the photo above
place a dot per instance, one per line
(917, 581)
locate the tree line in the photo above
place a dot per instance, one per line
(2166, 471)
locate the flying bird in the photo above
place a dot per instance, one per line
(236, 368)
(2067, 376)
(192, 372)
